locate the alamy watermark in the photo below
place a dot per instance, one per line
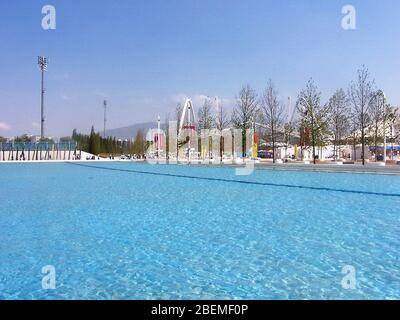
(183, 146)
(49, 20)
(349, 281)
(49, 280)
(349, 20)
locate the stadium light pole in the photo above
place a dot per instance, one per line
(43, 63)
(105, 118)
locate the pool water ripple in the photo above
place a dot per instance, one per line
(116, 233)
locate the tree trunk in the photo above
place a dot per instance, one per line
(376, 142)
(362, 140)
(334, 150)
(273, 145)
(273, 150)
(244, 143)
(221, 141)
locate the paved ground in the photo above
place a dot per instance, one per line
(371, 167)
(353, 168)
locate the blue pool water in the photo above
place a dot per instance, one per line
(137, 231)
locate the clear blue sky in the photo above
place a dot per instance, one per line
(144, 56)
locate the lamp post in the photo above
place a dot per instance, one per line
(312, 127)
(43, 63)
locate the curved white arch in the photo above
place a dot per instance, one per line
(188, 113)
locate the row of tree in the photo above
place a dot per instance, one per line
(359, 115)
(94, 143)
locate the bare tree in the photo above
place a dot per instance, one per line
(205, 117)
(354, 132)
(338, 118)
(221, 122)
(313, 119)
(392, 121)
(360, 94)
(396, 121)
(244, 113)
(288, 130)
(289, 125)
(205, 121)
(272, 114)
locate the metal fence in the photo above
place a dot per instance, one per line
(20, 151)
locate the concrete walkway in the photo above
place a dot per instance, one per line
(371, 167)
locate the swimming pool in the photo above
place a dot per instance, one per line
(138, 231)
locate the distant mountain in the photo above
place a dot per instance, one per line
(130, 131)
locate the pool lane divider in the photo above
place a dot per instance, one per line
(270, 184)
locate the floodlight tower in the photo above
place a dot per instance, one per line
(105, 118)
(42, 62)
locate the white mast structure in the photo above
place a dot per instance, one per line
(158, 137)
(187, 122)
